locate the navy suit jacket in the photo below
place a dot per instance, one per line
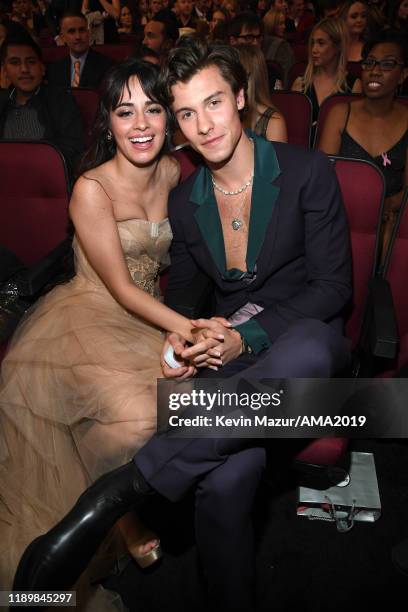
(298, 257)
(94, 70)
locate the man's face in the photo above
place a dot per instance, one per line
(248, 36)
(75, 34)
(24, 69)
(154, 35)
(207, 112)
(185, 7)
(22, 7)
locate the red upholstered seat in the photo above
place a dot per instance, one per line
(396, 275)
(87, 100)
(33, 199)
(297, 111)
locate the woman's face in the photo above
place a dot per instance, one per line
(231, 9)
(216, 18)
(323, 50)
(138, 126)
(357, 18)
(403, 10)
(377, 82)
(280, 26)
(126, 16)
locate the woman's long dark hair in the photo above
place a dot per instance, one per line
(102, 149)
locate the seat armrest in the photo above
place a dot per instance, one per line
(383, 331)
(32, 281)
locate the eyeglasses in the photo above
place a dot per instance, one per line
(385, 64)
(249, 38)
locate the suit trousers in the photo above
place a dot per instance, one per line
(225, 473)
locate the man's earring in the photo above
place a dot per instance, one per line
(109, 135)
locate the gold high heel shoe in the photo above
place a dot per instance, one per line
(147, 559)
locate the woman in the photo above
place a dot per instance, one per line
(102, 16)
(276, 48)
(398, 16)
(261, 117)
(78, 392)
(386, 142)
(126, 20)
(326, 69)
(355, 15)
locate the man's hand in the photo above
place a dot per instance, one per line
(185, 370)
(218, 343)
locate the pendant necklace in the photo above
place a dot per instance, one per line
(236, 222)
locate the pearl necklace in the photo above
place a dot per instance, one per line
(232, 193)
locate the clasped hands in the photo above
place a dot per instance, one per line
(215, 343)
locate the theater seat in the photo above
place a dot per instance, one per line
(33, 210)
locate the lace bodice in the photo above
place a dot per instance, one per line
(145, 246)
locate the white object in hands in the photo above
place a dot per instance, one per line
(170, 358)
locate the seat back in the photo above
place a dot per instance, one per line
(362, 187)
(396, 274)
(88, 101)
(33, 199)
(297, 111)
(326, 107)
(297, 70)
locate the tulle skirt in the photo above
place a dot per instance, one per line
(78, 398)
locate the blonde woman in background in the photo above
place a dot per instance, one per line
(326, 72)
(276, 48)
(262, 117)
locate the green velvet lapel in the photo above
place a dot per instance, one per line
(264, 196)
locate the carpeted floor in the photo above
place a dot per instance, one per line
(301, 564)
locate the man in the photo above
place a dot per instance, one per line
(84, 67)
(185, 14)
(282, 279)
(160, 35)
(30, 110)
(246, 29)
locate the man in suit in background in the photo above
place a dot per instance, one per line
(32, 110)
(83, 67)
(265, 223)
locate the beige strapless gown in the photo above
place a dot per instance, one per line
(78, 394)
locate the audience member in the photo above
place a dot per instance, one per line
(83, 67)
(102, 16)
(299, 21)
(31, 110)
(127, 19)
(261, 116)
(376, 127)
(246, 29)
(326, 72)
(98, 338)
(218, 15)
(398, 16)
(231, 6)
(355, 16)
(160, 35)
(185, 15)
(275, 47)
(202, 9)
